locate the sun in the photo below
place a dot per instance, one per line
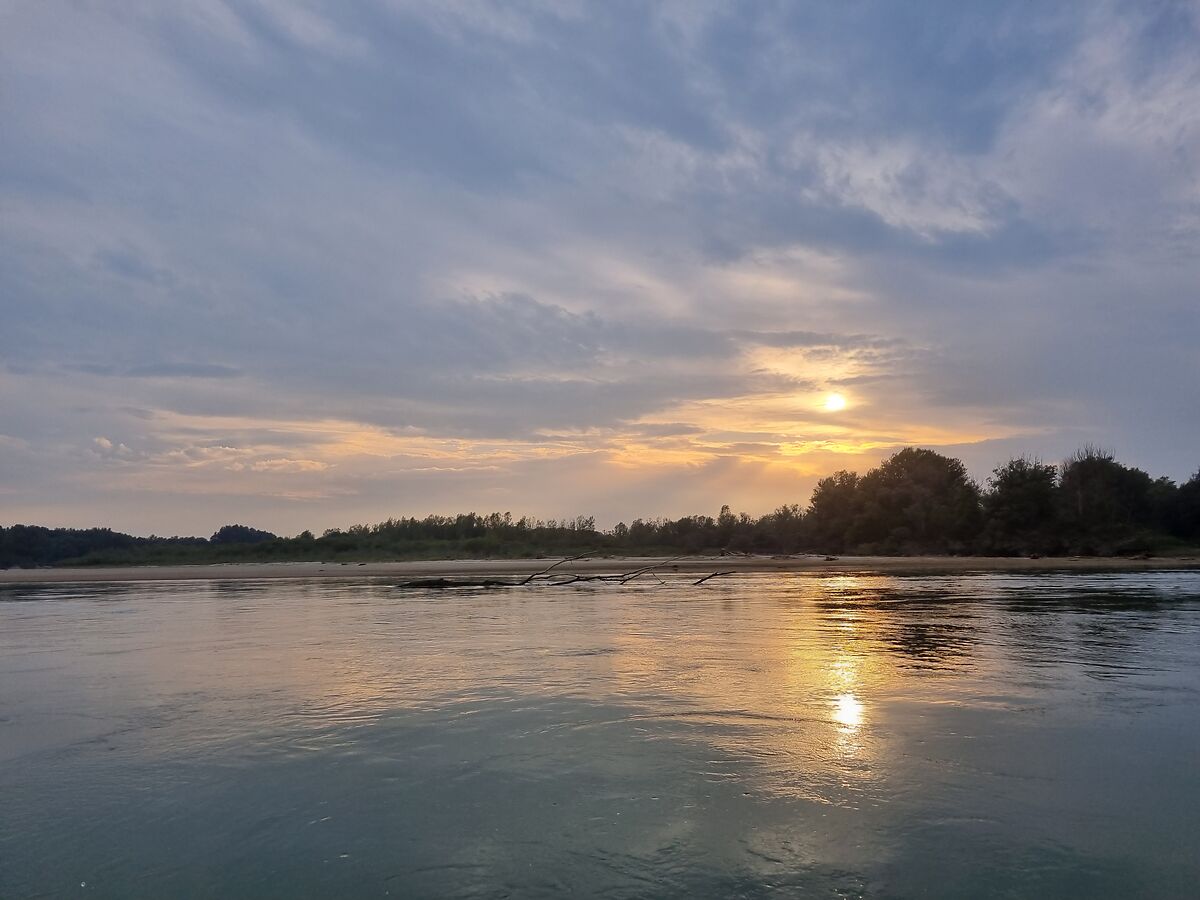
(834, 403)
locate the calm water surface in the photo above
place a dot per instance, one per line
(760, 736)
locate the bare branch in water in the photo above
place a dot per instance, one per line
(713, 575)
(552, 577)
(642, 571)
(549, 569)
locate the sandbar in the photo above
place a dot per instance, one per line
(595, 565)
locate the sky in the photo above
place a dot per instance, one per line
(302, 265)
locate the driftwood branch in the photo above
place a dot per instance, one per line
(549, 569)
(713, 575)
(637, 573)
(551, 577)
(441, 583)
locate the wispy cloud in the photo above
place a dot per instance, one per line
(321, 262)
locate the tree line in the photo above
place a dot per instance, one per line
(919, 501)
(916, 501)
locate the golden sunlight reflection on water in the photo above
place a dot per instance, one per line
(848, 712)
(783, 676)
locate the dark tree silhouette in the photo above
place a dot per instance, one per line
(1019, 508)
(241, 534)
(832, 510)
(917, 501)
(1187, 509)
(1103, 504)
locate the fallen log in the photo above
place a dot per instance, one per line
(439, 583)
(549, 576)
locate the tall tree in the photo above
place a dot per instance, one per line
(1188, 509)
(1101, 501)
(1020, 507)
(832, 510)
(917, 501)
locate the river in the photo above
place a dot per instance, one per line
(772, 735)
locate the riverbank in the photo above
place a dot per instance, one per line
(596, 565)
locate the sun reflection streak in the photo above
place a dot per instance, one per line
(845, 673)
(848, 712)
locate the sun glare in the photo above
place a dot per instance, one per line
(834, 403)
(848, 711)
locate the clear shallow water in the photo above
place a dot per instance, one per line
(844, 736)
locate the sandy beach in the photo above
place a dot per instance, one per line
(518, 567)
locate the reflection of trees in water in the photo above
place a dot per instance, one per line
(1111, 648)
(1102, 633)
(945, 622)
(942, 645)
(1101, 628)
(929, 632)
(1094, 600)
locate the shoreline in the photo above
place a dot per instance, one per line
(451, 568)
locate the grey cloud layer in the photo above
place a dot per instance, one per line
(481, 220)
